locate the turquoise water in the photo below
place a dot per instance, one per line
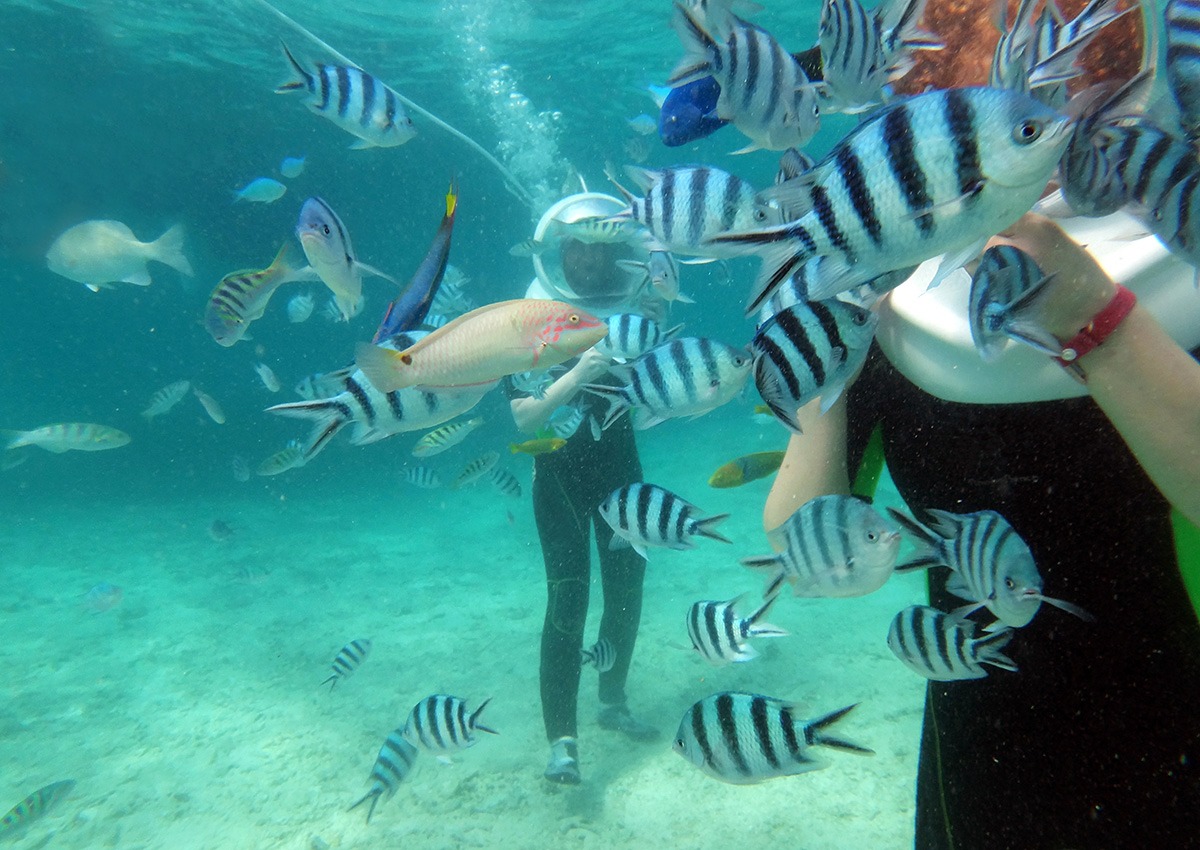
(189, 714)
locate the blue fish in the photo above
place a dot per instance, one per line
(409, 309)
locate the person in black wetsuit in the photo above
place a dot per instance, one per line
(1095, 742)
(568, 487)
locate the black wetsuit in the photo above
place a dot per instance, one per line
(1094, 743)
(568, 487)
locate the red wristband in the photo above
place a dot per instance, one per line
(1099, 328)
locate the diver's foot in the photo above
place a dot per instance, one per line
(618, 719)
(564, 763)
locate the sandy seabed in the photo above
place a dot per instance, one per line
(191, 715)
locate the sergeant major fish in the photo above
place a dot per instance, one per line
(1005, 285)
(835, 546)
(505, 482)
(644, 515)
(353, 100)
(67, 437)
(347, 660)
(602, 655)
(744, 738)
(165, 399)
(300, 308)
(944, 648)
(440, 723)
(289, 457)
(446, 437)
(326, 244)
(631, 335)
(242, 296)
(933, 174)
(422, 477)
(476, 469)
(722, 637)
(392, 766)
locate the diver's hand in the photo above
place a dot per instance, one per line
(591, 366)
(1080, 288)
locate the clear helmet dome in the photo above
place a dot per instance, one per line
(585, 272)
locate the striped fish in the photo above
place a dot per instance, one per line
(476, 469)
(67, 437)
(289, 457)
(1183, 61)
(505, 482)
(944, 648)
(164, 400)
(353, 100)
(835, 546)
(684, 207)
(376, 415)
(643, 515)
(745, 738)
(565, 420)
(392, 766)
(933, 174)
(422, 477)
(631, 335)
(326, 244)
(451, 299)
(1005, 284)
(242, 296)
(441, 723)
(861, 51)
(445, 437)
(721, 636)
(993, 567)
(347, 660)
(533, 384)
(809, 350)
(602, 655)
(661, 272)
(33, 807)
(764, 91)
(682, 377)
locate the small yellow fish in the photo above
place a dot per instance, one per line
(762, 410)
(745, 469)
(541, 446)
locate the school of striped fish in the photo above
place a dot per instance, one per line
(924, 177)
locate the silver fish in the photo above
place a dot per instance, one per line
(440, 723)
(164, 400)
(326, 244)
(722, 637)
(602, 655)
(347, 660)
(422, 477)
(67, 437)
(1005, 284)
(290, 457)
(392, 766)
(505, 482)
(644, 515)
(631, 335)
(944, 648)
(1183, 60)
(211, 406)
(446, 437)
(476, 469)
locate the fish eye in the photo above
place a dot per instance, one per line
(1028, 131)
(860, 318)
(738, 360)
(573, 318)
(325, 228)
(760, 215)
(872, 536)
(1009, 583)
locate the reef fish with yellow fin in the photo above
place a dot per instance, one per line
(743, 470)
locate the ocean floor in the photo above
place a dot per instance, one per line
(191, 716)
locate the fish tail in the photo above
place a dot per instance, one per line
(757, 628)
(776, 577)
(13, 439)
(168, 249)
(381, 366)
(329, 416)
(1020, 324)
(332, 682)
(705, 527)
(988, 650)
(618, 401)
(925, 540)
(303, 80)
(474, 721)
(373, 795)
(814, 733)
(698, 46)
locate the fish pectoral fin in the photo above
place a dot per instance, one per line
(617, 542)
(359, 144)
(141, 278)
(750, 148)
(371, 270)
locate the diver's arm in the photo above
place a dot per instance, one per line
(1147, 386)
(530, 414)
(814, 464)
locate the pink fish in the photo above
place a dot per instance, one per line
(102, 597)
(486, 344)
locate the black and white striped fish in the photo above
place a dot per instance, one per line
(602, 655)
(165, 399)
(565, 420)
(505, 482)
(1183, 61)
(661, 272)
(686, 206)
(933, 174)
(631, 335)
(476, 469)
(721, 636)
(446, 437)
(764, 91)
(861, 51)
(745, 738)
(290, 456)
(347, 660)
(1005, 284)
(422, 477)
(643, 515)
(993, 567)
(1041, 58)
(377, 415)
(944, 648)
(353, 100)
(440, 723)
(392, 766)
(681, 377)
(808, 350)
(534, 384)
(835, 546)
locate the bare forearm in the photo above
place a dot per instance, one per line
(1149, 388)
(530, 414)
(814, 465)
